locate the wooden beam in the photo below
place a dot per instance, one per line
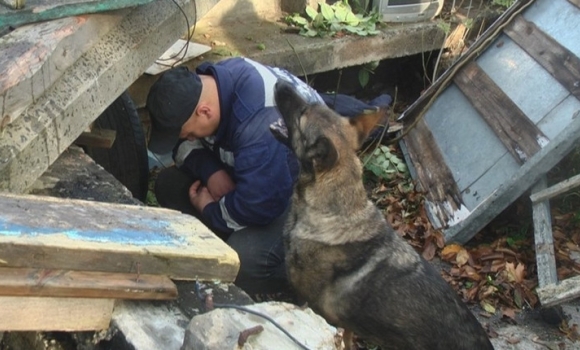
(55, 233)
(560, 62)
(556, 293)
(543, 238)
(84, 284)
(101, 138)
(432, 172)
(555, 190)
(54, 314)
(514, 129)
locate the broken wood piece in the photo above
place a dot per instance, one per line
(560, 292)
(101, 138)
(54, 314)
(67, 234)
(84, 284)
(543, 238)
(179, 53)
(43, 10)
(553, 191)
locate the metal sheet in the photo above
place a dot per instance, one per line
(522, 79)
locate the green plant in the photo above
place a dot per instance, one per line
(384, 164)
(332, 19)
(365, 72)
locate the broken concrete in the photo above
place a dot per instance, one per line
(223, 328)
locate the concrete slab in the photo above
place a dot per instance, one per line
(47, 127)
(254, 29)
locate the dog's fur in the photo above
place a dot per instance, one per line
(342, 256)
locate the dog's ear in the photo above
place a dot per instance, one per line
(323, 154)
(366, 121)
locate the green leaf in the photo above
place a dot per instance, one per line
(340, 13)
(311, 12)
(402, 167)
(318, 21)
(299, 20)
(351, 19)
(327, 11)
(363, 77)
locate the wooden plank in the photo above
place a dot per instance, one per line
(562, 64)
(559, 188)
(527, 175)
(35, 56)
(43, 10)
(102, 138)
(84, 284)
(433, 174)
(554, 294)
(518, 134)
(543, 238)
(54, 233)
(54, 314)
(575, 3)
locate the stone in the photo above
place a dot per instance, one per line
(220, 329)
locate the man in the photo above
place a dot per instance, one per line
(229, 170)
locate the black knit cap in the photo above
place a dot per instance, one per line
(171, 101)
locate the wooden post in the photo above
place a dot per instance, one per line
(544, 240)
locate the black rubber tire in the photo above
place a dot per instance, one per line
(127, 160)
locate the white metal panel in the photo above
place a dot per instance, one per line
(560, 117)
(559, 19)
(469, 146)
(522, 79)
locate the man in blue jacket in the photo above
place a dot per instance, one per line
(230, 171)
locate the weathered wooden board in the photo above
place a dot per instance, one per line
(35, 56)
(54, 314)
(554, 294)
(504, 116)
(84, 284)
(517, 133)
(53, 233)
(42, 10)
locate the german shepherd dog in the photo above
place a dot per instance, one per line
(342, 256)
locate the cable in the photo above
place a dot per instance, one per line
(245, 309)
(190, 32)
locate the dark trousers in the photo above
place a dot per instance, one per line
(260, 248)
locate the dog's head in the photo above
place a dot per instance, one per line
(320, 138)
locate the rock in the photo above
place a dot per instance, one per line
(220, 329)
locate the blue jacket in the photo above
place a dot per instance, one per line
(263, 169)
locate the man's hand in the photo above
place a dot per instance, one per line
(199, 196)
(219, 184)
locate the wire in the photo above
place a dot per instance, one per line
(190, 32)
(245, 309)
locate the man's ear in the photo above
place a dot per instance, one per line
(204, 110)
(365, 122)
